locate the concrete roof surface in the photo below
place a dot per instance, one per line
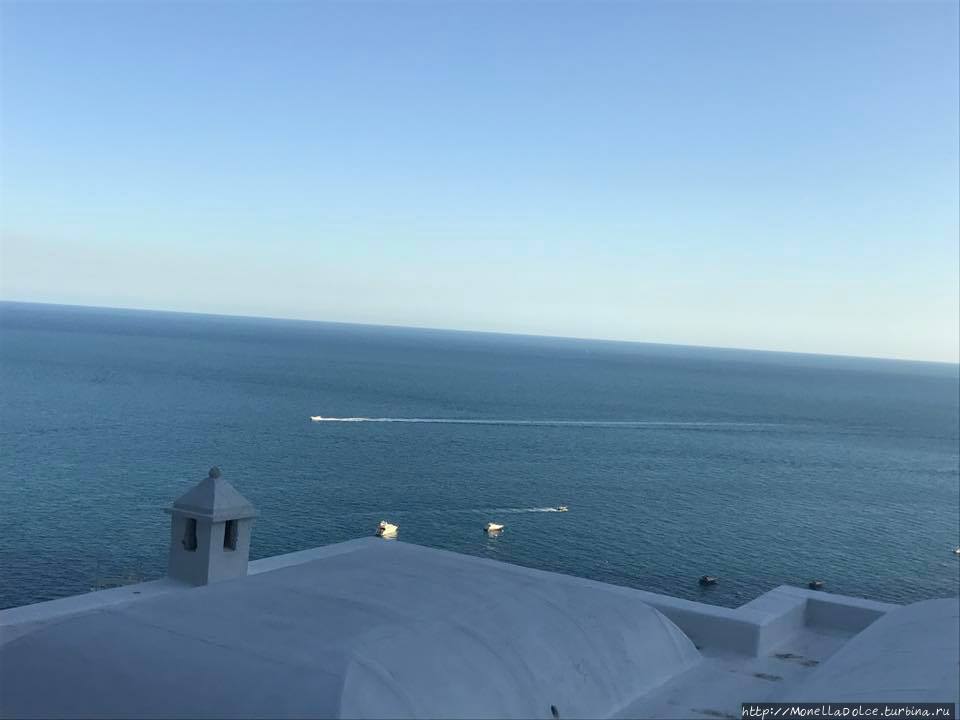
(386, 630)
(910, 652)
(375, 628)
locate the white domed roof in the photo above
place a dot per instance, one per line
(391, 630)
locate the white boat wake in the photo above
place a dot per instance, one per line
(527, 510)
(550, 423)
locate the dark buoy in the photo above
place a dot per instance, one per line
(214, 472)
(707, 580)
(816, 584)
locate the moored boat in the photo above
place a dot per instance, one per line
(387, 530)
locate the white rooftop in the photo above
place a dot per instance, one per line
(375, 628)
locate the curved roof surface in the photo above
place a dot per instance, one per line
(388, 630)
(908, 655)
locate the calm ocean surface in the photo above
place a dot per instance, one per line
(761, 468)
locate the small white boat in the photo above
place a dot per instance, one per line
(493, 527)
(562, 508)
(387, 530)
(316, 418)
(956, 551)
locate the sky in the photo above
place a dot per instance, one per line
(770, 175)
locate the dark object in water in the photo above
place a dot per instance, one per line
(816, 584)
(708, 580)
(554, 712)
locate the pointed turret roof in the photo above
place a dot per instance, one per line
(214, 499)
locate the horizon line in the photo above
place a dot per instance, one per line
(545, 336)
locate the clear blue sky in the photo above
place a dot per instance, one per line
(765, 175)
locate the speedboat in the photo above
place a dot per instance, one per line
(493, 527)
(316, 418)
(387, 530)
(956, 550)
(708, 580)
(562, 508)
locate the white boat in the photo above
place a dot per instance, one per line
(316, 418)
(387, 530)
(956, 551)
(493, 527)
(562, 508)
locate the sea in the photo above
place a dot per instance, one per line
(759, 468)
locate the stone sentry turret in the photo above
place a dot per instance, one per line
(210, 527)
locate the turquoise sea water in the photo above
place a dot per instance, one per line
(761, 468)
